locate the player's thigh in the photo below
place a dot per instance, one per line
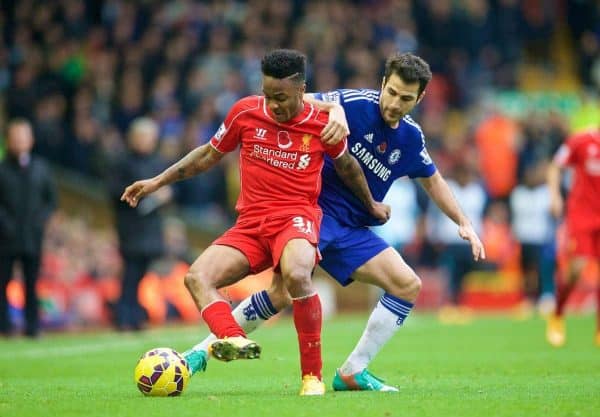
(298, 256)
(220, 265)
(387, 270)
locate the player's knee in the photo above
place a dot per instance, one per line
(415, 284)
(194, 281)
(298, 282)
(407, 287)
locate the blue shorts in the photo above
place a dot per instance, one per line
(344, 249)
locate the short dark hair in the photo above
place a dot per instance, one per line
(17, 121)
(411, 68)
(284, 63)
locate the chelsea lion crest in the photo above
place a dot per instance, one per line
(394, 156)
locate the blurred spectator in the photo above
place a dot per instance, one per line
(401, 229)
(502, 249)
(497, 140)
(533, 227)
(140, 228)
(162, 292)
(27, 199)
(455, 253)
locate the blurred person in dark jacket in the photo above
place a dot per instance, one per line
(140, 229)
(27, 199)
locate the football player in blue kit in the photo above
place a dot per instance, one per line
(389, 145)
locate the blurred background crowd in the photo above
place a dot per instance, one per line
(511, 80)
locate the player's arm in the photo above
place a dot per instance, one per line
(438, 190)
(337, 125)
(195, 162)
(562, 159)
(349, 170)
(553, 176)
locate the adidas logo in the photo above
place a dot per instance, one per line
(369, 137)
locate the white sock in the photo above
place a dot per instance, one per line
(381, 326)
(252, 312)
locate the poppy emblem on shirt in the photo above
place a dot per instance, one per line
(283, 139)
(394, 156)
(381, 148)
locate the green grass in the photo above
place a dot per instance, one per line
(492, 367)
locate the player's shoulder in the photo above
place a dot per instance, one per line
(584, 136)
(361, 95)
(350, 95)
(248, 103)
(412, 129)
(245, 106)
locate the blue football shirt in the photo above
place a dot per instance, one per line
(385, 154)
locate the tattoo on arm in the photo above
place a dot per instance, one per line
(195, 162)
(354, 178)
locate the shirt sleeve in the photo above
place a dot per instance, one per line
(228, 136)
(337, 150)
(334, 96)
(422, 165)
(567, 153)
(562, 157)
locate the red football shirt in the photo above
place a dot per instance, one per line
(280, 163)
(582, 152)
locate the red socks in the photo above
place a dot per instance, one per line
(308, 320)
(217, 316)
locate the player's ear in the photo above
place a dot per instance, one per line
(382, 82)
(302, 90)
(421, 97)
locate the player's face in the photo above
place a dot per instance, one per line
(397, 99)
(284, 97)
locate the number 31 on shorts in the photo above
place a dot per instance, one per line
(303, 225)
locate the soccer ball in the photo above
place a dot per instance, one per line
(161, 372)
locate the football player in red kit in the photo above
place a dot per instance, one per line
(581, 152)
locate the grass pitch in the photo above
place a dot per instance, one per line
(492, 367)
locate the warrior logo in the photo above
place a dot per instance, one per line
(260, 133)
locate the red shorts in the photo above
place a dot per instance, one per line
(583, 242)
(263, 239)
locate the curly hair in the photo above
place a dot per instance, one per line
(284, 63)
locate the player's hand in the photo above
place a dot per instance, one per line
(467, 232)
(556, 206)
(337, 126)
(139, 189)
(381, 211)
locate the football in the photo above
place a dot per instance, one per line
(161, 372)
